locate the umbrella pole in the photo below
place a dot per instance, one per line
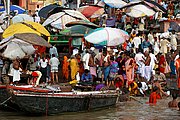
(7, 8)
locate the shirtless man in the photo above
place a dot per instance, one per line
(16, 73)
(174, 102)
(147, 68)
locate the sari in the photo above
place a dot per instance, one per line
(162, 64)
(177, 64)
(65, 68)
(74, 68)
(129, 65)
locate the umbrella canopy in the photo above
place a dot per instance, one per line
(21, 18)
(43, 12)
(59, 20)
(114, 3)
(83, 23)
(16, 48)
(25, 27)
(76, 30)
(107, 36)
(15, 8)
(57, 10)
(32, 39)
(139, 11)
(149, 3)
(91, 11)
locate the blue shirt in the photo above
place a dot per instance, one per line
(85, 77)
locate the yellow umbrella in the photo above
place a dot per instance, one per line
(25, 27)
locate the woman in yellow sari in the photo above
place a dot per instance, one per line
(65, 68)
(74, 67)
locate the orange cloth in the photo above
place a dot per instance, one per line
(177, 64)
(162, 62)
(65, 68)
(153, 98)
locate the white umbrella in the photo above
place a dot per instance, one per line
(139, 11)
(107, 36)
(115, 3)
(16, 48)
(21, 18)
(59, 20)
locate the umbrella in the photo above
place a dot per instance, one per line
(107, 36)
(33, 39)
(14, 8)
(56, 10)
(139, 11)
(21, 18)
(114, 3)
(16, 48)
(43, 12)
(151, 4)
(76, 30)
(59, 20)
(83, 23)
(26, 27)
(91, 11)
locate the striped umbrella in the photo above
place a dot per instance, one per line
(107, 36)
(91, 11)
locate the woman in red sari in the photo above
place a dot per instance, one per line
(162, 63)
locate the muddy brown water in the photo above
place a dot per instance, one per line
(131, 110)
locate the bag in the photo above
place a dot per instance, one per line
(167, 68)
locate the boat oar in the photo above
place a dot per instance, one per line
(136, 99)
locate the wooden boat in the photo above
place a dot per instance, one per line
(41, 101)
(5, 99)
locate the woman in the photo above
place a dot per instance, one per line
(74, 67)
(129, 66)
(162, 63)
(65, 68)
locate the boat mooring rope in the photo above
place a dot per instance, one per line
(5, 101)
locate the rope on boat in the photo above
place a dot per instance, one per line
(5, 101)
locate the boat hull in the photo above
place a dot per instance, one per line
(55, 104)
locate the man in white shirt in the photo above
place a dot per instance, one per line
(85, 60)
(136, 41)
(54, 62)
(53, 50)
(139, 58)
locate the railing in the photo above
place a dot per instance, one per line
(59, 39)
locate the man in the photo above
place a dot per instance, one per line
(86, 78)
(85, 60)
(137, 42)
(142, 86)
(53, 50)
(1, 67)
(147, 68)
(16, 72)
(173, 40)
(174, 102)
(54, 62)
(139, 61)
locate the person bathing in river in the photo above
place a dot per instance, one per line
(173, 103)
(153, 96)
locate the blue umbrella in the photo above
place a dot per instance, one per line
(13, 8)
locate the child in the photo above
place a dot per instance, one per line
(153, 96)
(174, 102)
(113, 71)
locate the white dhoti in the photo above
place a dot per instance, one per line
(147, 72)
(141, 68)
(16, 75)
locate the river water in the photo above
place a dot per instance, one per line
(131, 110)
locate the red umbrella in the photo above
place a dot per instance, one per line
(91, 11)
